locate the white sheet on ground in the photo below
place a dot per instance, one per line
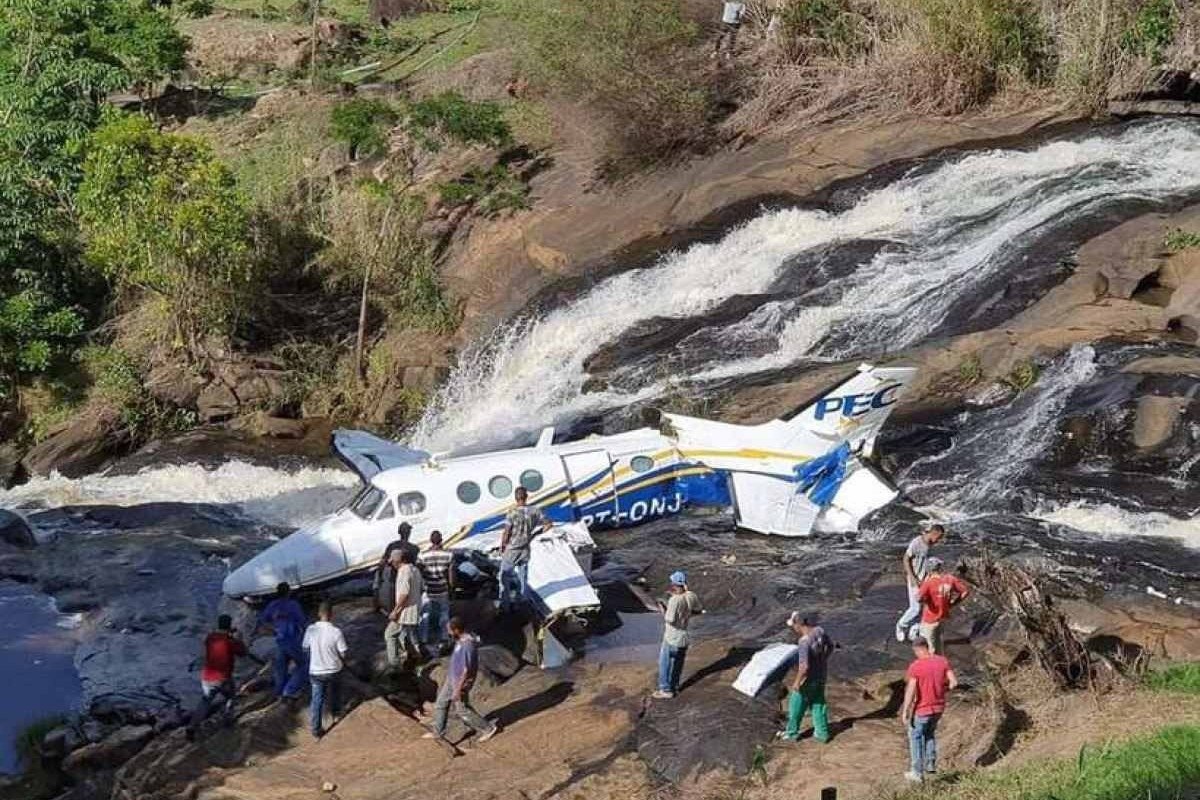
(554, 571)
(765, 664)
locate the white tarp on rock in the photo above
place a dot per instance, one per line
(763, 666)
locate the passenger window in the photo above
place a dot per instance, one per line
(387, 511)
(368, 500)
(500, 486)
(410, 503)
(641, 463)
(468, 492)
(531, 479)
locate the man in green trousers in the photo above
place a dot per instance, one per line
(808, 687)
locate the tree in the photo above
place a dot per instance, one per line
(161, 215)
(59, 59)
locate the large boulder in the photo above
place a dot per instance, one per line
(216, 403)
(15, 531)
(1157, 418)
(175, 384)
(110, 752)
(78, 447)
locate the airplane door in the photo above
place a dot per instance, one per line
(590, 475)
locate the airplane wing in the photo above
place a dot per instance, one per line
(368, 454)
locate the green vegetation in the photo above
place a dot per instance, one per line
(1154, 767)
(970, 370)
(1179, 239)
(162, 216)
(1023, 376)
(35, 781)
(362, 125)
(634, 61)
(825, 27)
(490, 191)
(1183, 678)
(450, 117)
(1152, 29)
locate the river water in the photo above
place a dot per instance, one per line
(954, 244)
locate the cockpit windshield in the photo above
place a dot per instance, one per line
(367, 502)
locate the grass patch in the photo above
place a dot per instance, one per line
(1183, 678)
(970, 370)
(345, 10)
(1023, 376)
(1155, 767)
(491, 191)
(1179, 239)
(437, 40)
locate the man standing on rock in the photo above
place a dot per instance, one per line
(808, 687)
(677, 613)
(286, 619)
(222, 648)
(326, 648)
(455, 691)
(938, 594)
(914, 573)
(929, 676)
(400, 637)
(384, 582)
(524, 523)
(435, 565)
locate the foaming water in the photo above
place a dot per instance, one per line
(979, 473)
(267, 495)
(1105, 519)
(954, 229)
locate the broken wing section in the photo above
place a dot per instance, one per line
(368, 454)
(781, 507)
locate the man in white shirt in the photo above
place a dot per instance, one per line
(326, 649)
(400, 636)
(731, 22)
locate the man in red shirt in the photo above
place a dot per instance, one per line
(938, 594)
(221, 650)
(924, 701)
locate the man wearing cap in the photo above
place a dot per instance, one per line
(938, 594)
(676, 614)
(915, 556)
(928, 679)
(808, 687)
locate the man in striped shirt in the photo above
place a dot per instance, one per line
(436, 565)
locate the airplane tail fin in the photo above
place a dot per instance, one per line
(854, 410)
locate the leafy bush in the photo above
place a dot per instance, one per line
(1179, 239)
(634, 61)
(967, 50)
(1152, 29)
(161, 215)
(34, 332)
(491, 191)
(362, 124)
(375, 236)
(970, 370)
(451, 117)
(1023, 376)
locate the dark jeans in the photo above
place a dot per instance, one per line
(212, 696)
(324, 689)
(291, 668)
(670, 667)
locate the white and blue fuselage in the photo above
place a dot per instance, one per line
(603, 481)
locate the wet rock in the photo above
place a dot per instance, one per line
(1156, 420)
(15, 531)
(990, 395)
(74, 601)
(111, 752)
(79, 446)
(60, 742)
(497, 664)
(17, 566)
(175, 384)
(216, 402)
(1165, 365)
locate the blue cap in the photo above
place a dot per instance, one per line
(678, 578)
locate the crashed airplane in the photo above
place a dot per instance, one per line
(787, 477)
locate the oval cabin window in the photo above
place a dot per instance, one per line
(500, 486)
(531, 479)
(641, 463)
(468, 492)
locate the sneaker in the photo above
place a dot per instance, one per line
(661, 695)
(319, 734)
(900, 637)
(784, 737)
(913, 777)
(483, 737)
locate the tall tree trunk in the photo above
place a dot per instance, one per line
(361, 342)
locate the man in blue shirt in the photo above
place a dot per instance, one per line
(287, 621)
(456, 689)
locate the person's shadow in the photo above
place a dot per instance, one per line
(528, 706)
(887, 711)
(736, 657)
